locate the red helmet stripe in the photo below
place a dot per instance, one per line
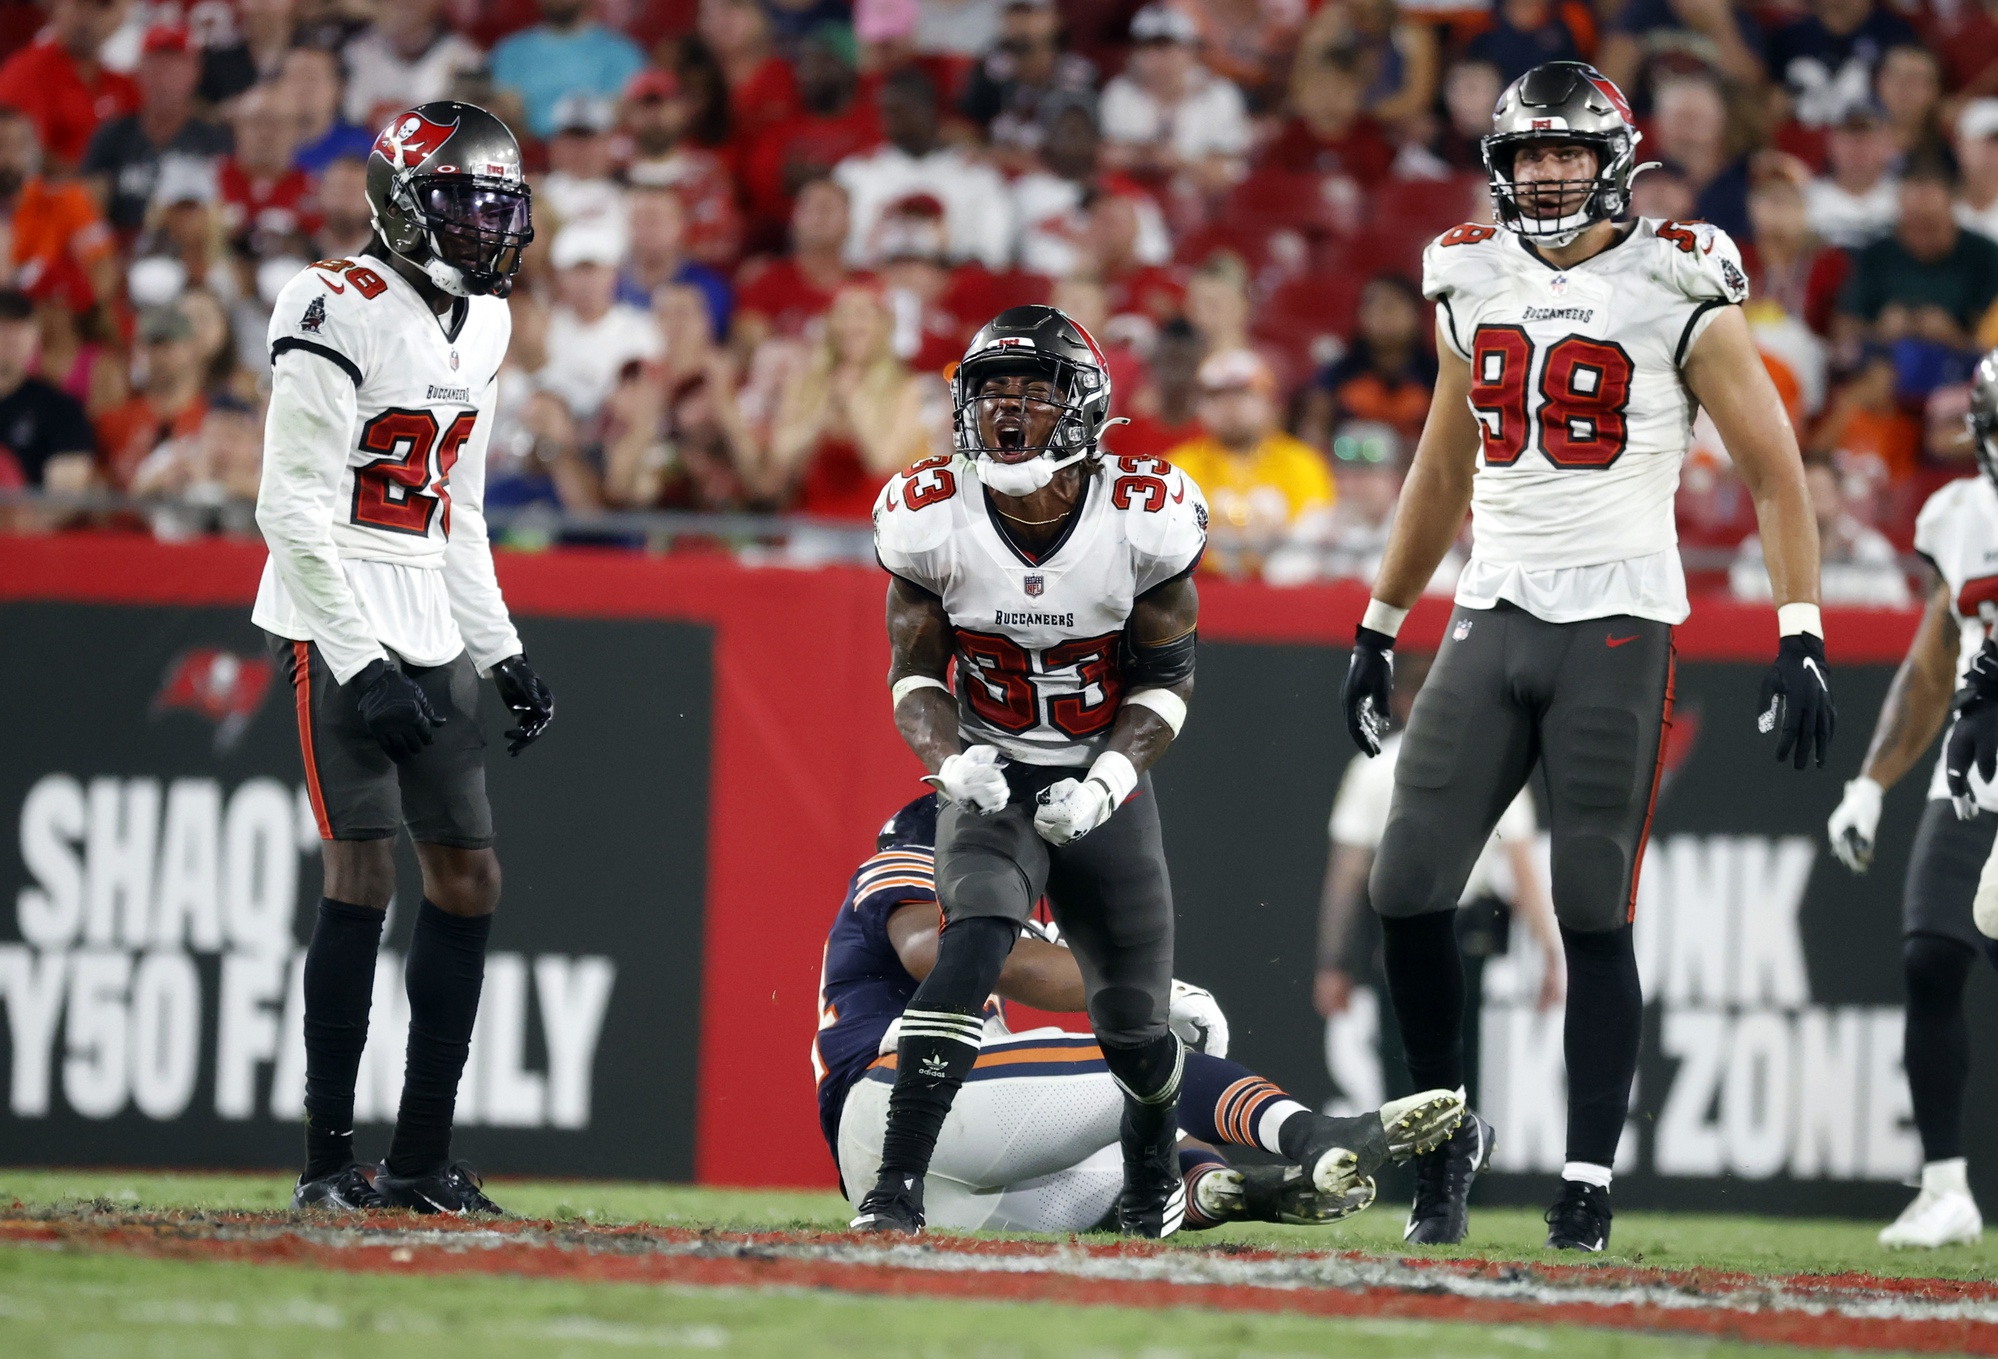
(1610, 92)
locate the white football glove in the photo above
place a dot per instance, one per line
(1070, 809)
(1196, 1017)
(1984, 906)
(975, 777)
(1854, 822)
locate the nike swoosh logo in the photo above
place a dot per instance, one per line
(1180, 494)
(336, 287)
(1619, 641)
(891, 499)
(1812, 666)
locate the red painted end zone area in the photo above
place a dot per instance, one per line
(988, 1271)
(803, 738)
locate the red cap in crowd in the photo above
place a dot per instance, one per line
(166, 38)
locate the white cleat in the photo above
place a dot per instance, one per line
(1946, 1217)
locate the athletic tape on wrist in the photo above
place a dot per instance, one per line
(908, 684)
(1383, 617)
(1115, 772)
(1170, 707)
(1795, 618)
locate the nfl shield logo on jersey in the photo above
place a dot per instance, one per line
(1462, 630)
(1036, 584)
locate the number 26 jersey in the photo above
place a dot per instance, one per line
(1582, 412)
(1038, 668)
(398, 495)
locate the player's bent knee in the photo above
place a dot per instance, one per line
(359, 872)
(1591, 883)
(1404, 880)
(992, 887)
(1126, 1017)
(463, 882)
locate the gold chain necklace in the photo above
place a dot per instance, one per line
(1036, 523)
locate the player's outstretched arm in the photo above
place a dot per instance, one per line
(1157, 664)
(1916, 704)
(1036, 973)
(1725, 374)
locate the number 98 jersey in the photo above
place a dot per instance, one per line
(1575, 382)
(1038, 670)
(419, 389)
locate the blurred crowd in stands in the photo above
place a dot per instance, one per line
(765, 228)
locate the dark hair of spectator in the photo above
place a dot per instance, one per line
(1933, 165)
(706, 85)
(912, 81)
(16, 305)
(1399, 283)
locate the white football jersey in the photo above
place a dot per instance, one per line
(1575, 382)
(1038, 669)
(401, 489)
(1957, 531)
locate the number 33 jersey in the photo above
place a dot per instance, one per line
(1038, 664)
(373, 489)
(1584, 417)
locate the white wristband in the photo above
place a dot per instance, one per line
(908, 684)
(1116, 773)
(1794, 618)
(1383, 617)
(1170, 707)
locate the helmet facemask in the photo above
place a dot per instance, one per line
(1982, 417)
(466, 232)
(1555, 211)
(1020, 437)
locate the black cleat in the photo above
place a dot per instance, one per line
(1442, 1212)
(1341, 1152)
(454, 1189)
(346, 1190)
(891, 1212)
(1269, 1194)
(1151, 1209)
(1580, 1218)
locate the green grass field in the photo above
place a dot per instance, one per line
(69, 1303)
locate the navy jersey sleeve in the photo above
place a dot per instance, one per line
(895, 877)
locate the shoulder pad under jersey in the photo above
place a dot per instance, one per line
(1698, 259)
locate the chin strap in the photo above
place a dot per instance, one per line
(1020, 478)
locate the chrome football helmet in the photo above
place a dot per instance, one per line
(1983, 416)
(1562, 101)
(445, 192)
(1041, 342)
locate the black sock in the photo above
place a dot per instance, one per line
(339, 991)
(1600, 1036)
(941, 1031)
(1936, 1040)
(1150, 1076)
(1425, 978)
(447, 966)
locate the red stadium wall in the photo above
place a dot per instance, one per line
(805, 761)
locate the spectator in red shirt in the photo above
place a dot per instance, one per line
(267, 201)
(1163, 411)
(1328, 133)
(62, 87)
(832, 124)
(1787, 264)
(782, 296)
(761, 88)
(1112, 253)
(657, 119)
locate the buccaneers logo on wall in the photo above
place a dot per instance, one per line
(219, 685)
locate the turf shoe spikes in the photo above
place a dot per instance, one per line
(1580, 1218)
(1338, 1153)
(455, 1189)
(1272, 1193)
(1441, 1215)
(346, 1190)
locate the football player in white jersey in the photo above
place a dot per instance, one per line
(1059, 580)
(380, 600)
(1574, 350)
(1957, 532)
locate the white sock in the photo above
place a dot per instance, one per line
(1945, 1177)
(1588, 1172)
(1270, 1125)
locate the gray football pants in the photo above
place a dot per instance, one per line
(1109, 892)
(1591, 701)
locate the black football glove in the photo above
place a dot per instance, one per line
(1796, 701)
(532, 704)
(397, 712)
(1369, 681)
(1973, 741)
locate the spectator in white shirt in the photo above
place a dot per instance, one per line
(964, 28)
(578, 187)
(1856, 203)
(1859, 566)
(591, 336)
(408, 55)
(912, 161)
(1049, 200)
(1169, 115)
(1977, 161)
